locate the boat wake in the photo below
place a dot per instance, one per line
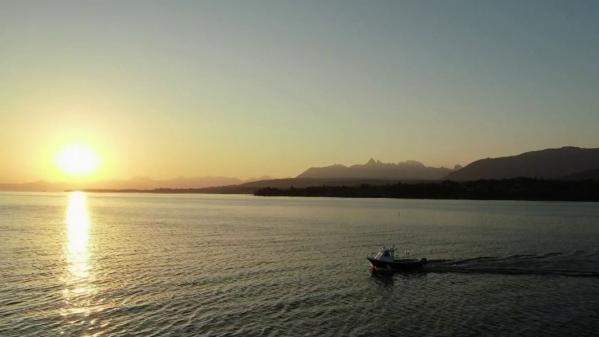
(578, 264)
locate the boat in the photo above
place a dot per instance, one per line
(384, 260)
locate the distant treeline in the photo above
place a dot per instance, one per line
(506, 189)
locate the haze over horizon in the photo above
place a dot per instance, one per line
(238, 90)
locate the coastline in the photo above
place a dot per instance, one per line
(525, 189)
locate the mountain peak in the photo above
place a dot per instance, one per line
(414, 163)
(375, 169)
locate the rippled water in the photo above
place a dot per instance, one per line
(206, 265)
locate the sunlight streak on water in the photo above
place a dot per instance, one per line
(78, 285)
(78, 236)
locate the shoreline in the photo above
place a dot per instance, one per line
(516, 189)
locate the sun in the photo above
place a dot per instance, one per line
(77, 160)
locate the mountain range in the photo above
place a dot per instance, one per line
(374, 169)
(566, 163)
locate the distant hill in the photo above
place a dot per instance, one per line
(252, 187)
(374, 169)
(179, 182)
(37, 186)
(136, 183)
(548, 164)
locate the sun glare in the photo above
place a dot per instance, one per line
(77, 160)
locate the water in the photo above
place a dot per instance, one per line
(207, 265)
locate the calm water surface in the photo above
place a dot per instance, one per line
(206, 265)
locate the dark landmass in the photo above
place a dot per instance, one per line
(376, 179)
(505, 189)
(584, 175)
(374, 169)
(563, 163)
(252, 187)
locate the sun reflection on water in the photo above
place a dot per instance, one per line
(78, 236)
(78, 285)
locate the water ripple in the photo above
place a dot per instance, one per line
(238, 266)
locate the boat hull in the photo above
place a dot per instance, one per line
(397, 265)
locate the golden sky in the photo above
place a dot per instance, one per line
(238, 89)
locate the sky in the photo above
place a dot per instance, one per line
(250, 88)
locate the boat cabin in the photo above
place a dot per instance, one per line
(385, 254)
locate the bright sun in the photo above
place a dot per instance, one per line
(77, 159)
